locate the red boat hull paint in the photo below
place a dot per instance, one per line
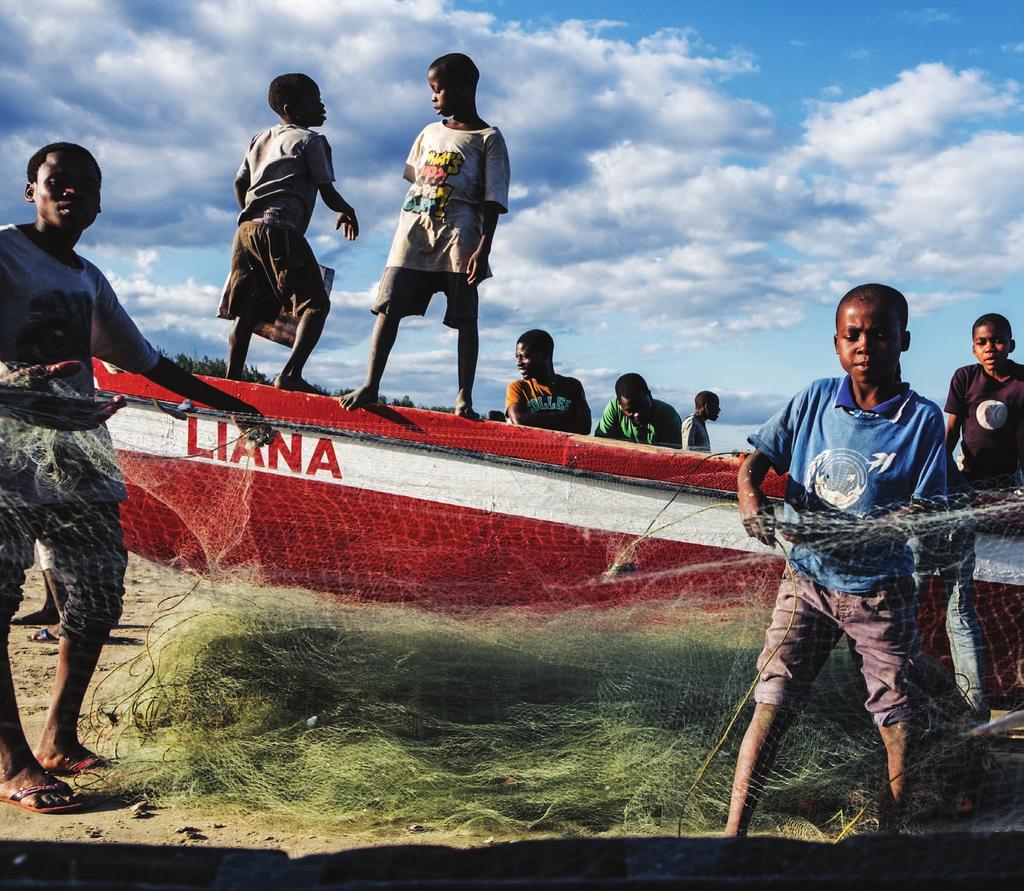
(406, 505)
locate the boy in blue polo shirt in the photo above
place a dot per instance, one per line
(860, 451)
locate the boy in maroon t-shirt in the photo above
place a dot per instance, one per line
(986, 407)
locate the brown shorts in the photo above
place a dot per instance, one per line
(272, 268)
(807, 623)
(407, 292)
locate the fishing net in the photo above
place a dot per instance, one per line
(391, 621)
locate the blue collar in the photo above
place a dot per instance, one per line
(889, 409)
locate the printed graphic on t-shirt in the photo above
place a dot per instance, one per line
(840, 476)
(549, 403)
(991, 414)
(430, 193)
(55, 327)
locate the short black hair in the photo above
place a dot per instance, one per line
(71, 148)
(455, 68)
(882, 295)
(705, 398)
(286, 88)
(996, 320)
(539, 340)
(631, 384)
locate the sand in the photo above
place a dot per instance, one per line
(147, 588)
(150, 591)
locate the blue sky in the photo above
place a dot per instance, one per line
(694, 184)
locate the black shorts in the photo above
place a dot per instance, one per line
(407, 292)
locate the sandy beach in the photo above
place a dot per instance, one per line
(112, 819)
(152, 591)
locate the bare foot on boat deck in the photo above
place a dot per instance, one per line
(464, 408)
(359, 397)
(296, 384)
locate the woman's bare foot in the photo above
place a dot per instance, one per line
(359, 397)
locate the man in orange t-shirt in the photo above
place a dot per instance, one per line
(542, 398)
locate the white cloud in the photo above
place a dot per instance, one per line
(928, 16)
(651, 199)
(911, 117)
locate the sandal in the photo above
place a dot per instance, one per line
(74, 803)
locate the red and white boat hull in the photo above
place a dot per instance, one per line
(406, 505)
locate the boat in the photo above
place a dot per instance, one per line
(405, 505)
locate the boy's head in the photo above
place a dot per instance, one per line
(871, 332)
(534, 351)
(634, 398)
(453, 79)
(296, 100)
(993, 342)
(706, 405)
(63, 182)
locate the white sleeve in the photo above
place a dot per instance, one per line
(115, 338)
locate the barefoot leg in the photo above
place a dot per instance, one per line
(18, 766)
(385, 330)
(469, 349)
(896, 739)
(76, 662)
(757, 754)
(238, 346)
(307, 335)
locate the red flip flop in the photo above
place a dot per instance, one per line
(18, 799)
(68, 767)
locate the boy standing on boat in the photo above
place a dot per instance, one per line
(63, 489)
(459, 172)
(859, 451)
(273, 269)
(706, 407)
(985, 405)
(542, 398)
(634, 415)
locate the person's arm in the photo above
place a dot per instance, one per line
(241, 188)
(580, 412)
(686, 433)
(669, 432)
(347, 221)
(609, 427)
(954, 426)
(174, 378)
(477, 265)
(24, 396)
(756, 512)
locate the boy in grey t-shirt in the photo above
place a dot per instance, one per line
(460, 176)
(63, 489)
(273, 269)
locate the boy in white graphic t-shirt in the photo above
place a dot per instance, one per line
(459, 172)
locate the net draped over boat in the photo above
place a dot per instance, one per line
(398, 621)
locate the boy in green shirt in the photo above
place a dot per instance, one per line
(636, 416)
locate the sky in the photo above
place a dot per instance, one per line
(694, 183)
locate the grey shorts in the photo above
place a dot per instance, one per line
(807, 623)
(407, 292)
(86, 547)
